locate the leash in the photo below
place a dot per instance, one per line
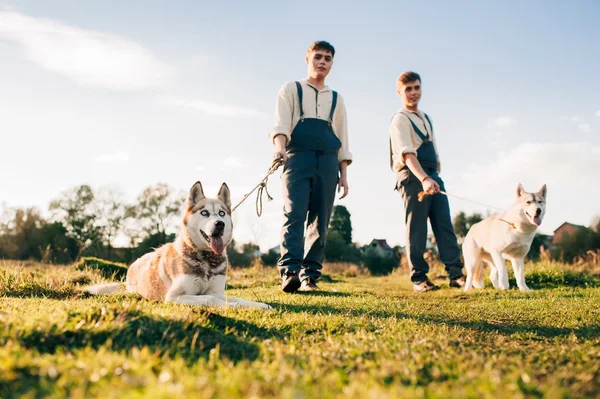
(422, 195)
(262, 188)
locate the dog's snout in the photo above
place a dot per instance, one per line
(538, 212)
(219, 224)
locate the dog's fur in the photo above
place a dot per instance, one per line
(506, 236)
(191, 270)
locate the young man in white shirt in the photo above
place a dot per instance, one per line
(415, 159)
(311, 138)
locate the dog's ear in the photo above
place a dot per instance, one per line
(225, 195)
(196, 195)
(543, 192)
(520, 190)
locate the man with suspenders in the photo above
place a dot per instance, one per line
(415, 159)
(311, 138)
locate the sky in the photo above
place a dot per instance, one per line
(130, 94)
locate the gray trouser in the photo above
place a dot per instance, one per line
(309, 182)
(437, 210)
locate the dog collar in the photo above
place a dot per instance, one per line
(509, 223)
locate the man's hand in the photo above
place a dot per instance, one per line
(343, 183)
(430, 186)
(280, 152)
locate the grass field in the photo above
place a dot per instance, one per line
(361, 337)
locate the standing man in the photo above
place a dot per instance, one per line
(311, 138)
(415, 159)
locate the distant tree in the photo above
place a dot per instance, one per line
(380, 265)
(341, 223)
(335, 246)
(236, 257)
(270, 258)
(250, 249)
(463, 222)
(110, 209)
(157, 209)
(535, 250)
(74, 208)
(25, 234)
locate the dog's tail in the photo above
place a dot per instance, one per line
(478, 275)
(105, 289)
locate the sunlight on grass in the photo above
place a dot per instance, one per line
(360, 337)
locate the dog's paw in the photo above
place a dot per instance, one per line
(262, 305)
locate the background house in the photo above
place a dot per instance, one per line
(381, 246)
(564, 230)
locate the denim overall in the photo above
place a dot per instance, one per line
(434, 207)
(309, 178)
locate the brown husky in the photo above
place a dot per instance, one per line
(191, 270)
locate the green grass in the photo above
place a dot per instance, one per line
(361, 337)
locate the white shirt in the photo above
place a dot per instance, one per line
(404, 139)
(316, 104)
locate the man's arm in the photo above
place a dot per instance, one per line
(401, 141)
(343, 181)
(281, 133)
(430, 186)
(340, 121)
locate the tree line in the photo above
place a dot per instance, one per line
(82, 221)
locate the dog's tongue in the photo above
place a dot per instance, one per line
(216, 244)
(537, 220)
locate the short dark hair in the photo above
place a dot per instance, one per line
(408, 77)
(322, 45)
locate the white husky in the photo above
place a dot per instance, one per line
(505, 236)
(192, 269)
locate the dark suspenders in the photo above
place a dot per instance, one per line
(418, 131)
(333, 102)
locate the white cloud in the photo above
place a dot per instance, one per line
(234, 162)
(118, 156)
(581, 125)
(211, 108)
(90, 58)
(502, 121)
(568, 170)
(585, 127)
(598, 113)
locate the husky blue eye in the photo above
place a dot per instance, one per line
(221, 213)
(204, 213)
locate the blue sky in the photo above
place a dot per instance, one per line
(132, 93)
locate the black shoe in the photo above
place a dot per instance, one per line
(425, 286)
(309, 285)
(290, 282)
(458, 282)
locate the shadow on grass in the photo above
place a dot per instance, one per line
(589, 331)
(189, 340)
(36, 291)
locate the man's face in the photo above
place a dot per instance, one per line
(319, 63)
(410, 93)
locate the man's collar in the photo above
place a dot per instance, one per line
(325, 88)
(418, 111)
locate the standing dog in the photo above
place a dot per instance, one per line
(191, 270)
(506, 236)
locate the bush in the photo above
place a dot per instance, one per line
(553, 278)
(380, 265)
(108, 270)
(270, 258)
